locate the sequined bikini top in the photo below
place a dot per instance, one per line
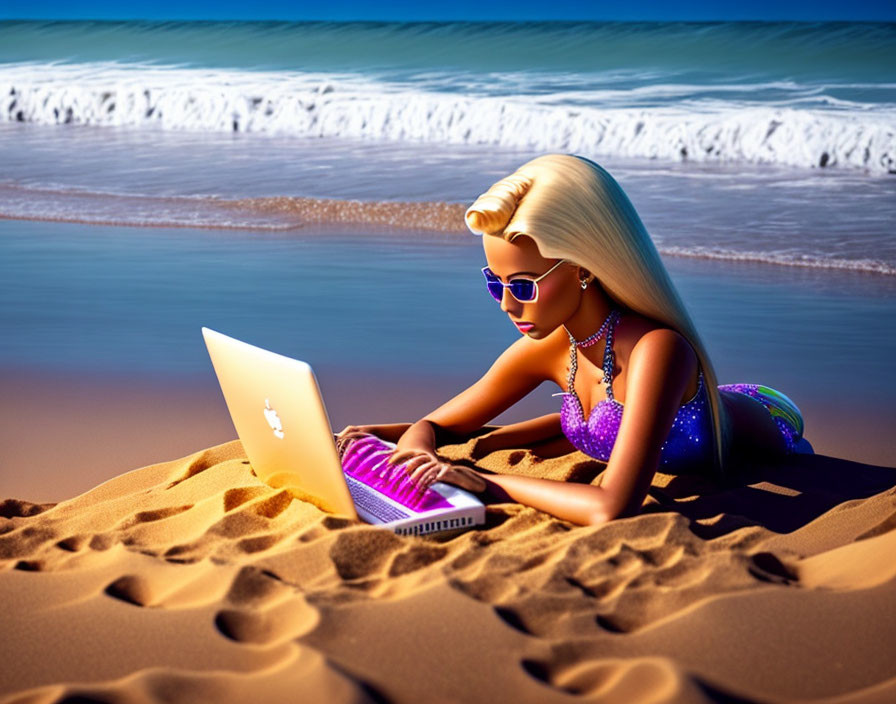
(689, 441)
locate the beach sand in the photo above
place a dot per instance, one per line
(330, 228)
(191, 580)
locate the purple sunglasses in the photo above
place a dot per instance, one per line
(522, 289)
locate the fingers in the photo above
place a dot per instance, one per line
(412, 460)
(415, 466)
(461, 476)
(420, 469)
(400, 456)
(347, 436)
(429, 475)
(350, 432)
(424, 469)
(352, 435)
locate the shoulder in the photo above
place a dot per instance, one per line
(661, 351)
(644, 341)
(660, 341)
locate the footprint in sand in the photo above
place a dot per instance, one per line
(614, 679)
(74, 543)
(133, 589)
(29, 565)
(253, 586)
(769, 568)
(272, 611)
(281, 623)
(151, 516)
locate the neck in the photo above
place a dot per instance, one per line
(593, 309)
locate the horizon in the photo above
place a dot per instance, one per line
(685, 11)
(224, 20)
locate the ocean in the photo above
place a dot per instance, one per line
(302, 186)
(742, 141)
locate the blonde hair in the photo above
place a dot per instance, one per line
(575, 210)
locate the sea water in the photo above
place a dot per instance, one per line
(130, 302)
(759, 155)
(766, 142)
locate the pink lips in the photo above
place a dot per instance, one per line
(524, 327)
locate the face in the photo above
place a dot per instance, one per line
(559, 293)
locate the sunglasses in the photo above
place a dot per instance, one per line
(522, 289)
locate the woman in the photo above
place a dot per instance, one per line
(571, 264)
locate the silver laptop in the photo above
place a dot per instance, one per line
(279, 415)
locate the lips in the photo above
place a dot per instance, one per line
(523, 326)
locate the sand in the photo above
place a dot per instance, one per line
(191, 580)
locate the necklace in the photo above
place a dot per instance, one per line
(574, 344)
(591, 339)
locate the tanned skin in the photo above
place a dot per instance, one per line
(656, 371)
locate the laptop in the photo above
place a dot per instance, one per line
(280, 417)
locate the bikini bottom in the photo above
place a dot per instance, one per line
(782, 410)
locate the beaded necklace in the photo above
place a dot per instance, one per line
(608, 327)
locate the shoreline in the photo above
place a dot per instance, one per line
(93, 427)
(305, 215)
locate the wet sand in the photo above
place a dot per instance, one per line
(62, 435)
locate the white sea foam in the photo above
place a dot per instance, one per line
(871, 266)
(845, 134)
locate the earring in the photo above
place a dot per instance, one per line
(584, 284)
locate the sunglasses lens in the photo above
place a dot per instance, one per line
(493, 283)
(496, 289)
(522, 289)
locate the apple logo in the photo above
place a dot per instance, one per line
(273, 420)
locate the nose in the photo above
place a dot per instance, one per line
(509, 303)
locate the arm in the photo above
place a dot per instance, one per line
(660, 366)
(427, 434)
(524, 434)
(517, 372)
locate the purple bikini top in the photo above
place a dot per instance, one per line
(689, 441)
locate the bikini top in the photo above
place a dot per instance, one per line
(689, 441)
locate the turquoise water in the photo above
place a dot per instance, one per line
(850, 53)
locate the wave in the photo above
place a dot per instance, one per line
(845, 135)
(809, 261)
(285, 213)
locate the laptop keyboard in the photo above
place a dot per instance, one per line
(367, 461)
(373, 504)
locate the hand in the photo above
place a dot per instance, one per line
(425, 468)
(348, 434)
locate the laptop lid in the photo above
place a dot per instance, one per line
(279, 415)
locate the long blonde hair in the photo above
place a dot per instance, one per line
(575, 210)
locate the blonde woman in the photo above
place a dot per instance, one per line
(571, 264)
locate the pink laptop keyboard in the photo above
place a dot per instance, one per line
(365, 459)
